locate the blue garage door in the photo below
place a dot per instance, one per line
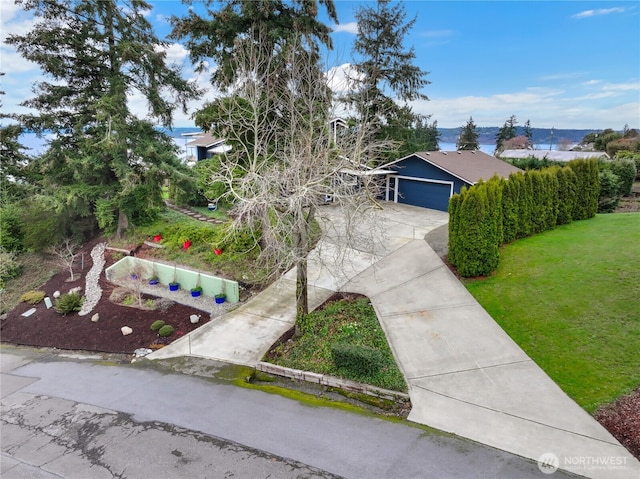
(425, 194)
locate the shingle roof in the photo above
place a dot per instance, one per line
(470, 166)
(205, 139)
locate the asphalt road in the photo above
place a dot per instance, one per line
(80, 417)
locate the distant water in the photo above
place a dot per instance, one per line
(38, 145)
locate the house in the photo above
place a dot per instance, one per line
(206, 145)
(554, 155)
(430, 178)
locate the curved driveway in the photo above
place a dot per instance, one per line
(465, 375)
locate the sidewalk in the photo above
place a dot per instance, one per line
(465, 375)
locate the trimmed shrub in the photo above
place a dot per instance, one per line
(357, 358)
(68, 303)
(625, 170)
(587, 188)
(156, 325)
(32, 297)
(630, 155)
(566, 194)
(166, 330)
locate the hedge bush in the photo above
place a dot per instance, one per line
(625, 170)
(357, 358)
(488, 214)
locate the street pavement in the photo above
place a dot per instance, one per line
(72, 416)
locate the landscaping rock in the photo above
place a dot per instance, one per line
(93, 291)
(77, 289)
(141, 352)
(194, 318)
(95, 318)
(56, 294)
(126, 330)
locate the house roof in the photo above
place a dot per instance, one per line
(205, 140)
(552, 154)
(469, 166)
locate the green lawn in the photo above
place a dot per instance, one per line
(570, 298)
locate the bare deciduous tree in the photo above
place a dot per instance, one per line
(66, 254)
(285, 162)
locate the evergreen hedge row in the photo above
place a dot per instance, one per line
(489, 214)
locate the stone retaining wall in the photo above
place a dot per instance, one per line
(330, 381)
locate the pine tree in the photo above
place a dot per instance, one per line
(468, 139)
(271, 26)
(385, 66)
(508, 131)
(103, 161)
(528, 133)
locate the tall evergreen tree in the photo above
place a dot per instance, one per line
(103, 161)
(509, 130)
(528, 133)
(385, 68)
(270, 25)
(468, 139)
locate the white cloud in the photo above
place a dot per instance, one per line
(598, 12)
(543, 107)
(561, 76)
(592, 82)
(351, 27)
(622, 86)
(176, 53)
(436, 33)
(340, 78)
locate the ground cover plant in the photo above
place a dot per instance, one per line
(237, 253)
(351, 322)
(569, 298)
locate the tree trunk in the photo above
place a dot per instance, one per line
(123, 224)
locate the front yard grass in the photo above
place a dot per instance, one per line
(352, 321)
(570, 297)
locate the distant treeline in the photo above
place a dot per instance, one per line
(487, 135)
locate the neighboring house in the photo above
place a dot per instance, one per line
(430, 178)
(553, 155)
(206, 145)
(336, 126)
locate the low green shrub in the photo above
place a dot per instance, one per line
(68, 303)
(357, 358)
(166, 330)
(156, 325)
(32, 297)
(9, 266)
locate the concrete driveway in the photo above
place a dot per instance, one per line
(465, 375)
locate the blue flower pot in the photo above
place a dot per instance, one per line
(174, 286)
(219, 300)
(195, 294)
(153, 282)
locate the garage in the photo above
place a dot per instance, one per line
(429, 179)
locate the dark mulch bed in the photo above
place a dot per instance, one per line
(47, 328)
(622, 419)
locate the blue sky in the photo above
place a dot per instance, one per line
(562, 64)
